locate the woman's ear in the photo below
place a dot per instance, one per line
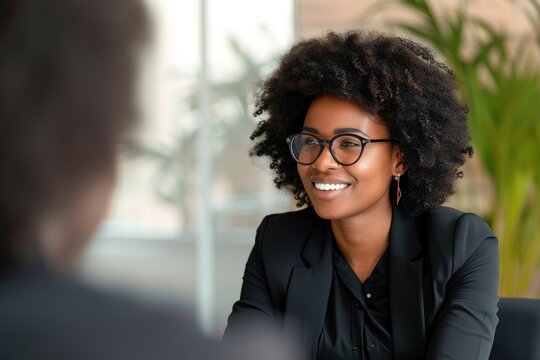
(398, 161)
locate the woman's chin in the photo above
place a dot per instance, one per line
(328, 212)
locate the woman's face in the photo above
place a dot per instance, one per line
(361, 188)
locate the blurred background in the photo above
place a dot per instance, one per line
(189, 198)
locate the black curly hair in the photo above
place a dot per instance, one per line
(394, 78)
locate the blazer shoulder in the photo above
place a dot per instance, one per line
(295, 215)
(286, 233)
(456, 233)
(289, 223)
(451, 221)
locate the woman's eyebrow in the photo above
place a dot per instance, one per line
(336, 131)
(348, 130)
(311, 130)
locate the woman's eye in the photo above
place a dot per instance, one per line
(349, 144)
(310, 141)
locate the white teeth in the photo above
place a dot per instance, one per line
(326, 187)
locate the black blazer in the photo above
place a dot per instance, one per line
(443, 281)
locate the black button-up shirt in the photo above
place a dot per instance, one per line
(357, 323)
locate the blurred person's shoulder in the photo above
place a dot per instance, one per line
(265, 340)
(46, 317)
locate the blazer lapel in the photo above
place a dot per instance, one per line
(309, 287)
(406, 288)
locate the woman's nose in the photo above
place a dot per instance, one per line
(325, 161)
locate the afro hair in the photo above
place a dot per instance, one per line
(394, 78)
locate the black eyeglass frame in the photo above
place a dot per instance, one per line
(364, 141)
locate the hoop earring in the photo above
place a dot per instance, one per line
(398, 189)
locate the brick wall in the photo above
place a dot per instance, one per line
(315, 17)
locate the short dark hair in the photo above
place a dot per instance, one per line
(395, 78)
(67, 86)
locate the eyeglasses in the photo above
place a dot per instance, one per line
(346, 149)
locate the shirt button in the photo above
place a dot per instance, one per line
(372, 346)
(368, 295)
(355, 347)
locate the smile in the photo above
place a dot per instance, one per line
(329, 187)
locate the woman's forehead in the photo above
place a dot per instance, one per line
(328, 115)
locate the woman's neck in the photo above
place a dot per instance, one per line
(363, 239)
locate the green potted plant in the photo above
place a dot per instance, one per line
(499, 77)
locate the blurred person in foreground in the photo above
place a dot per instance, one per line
(365, 129)
(67, 100)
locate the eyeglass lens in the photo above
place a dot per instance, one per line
(346, 149)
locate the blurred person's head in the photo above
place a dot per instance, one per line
(67, 98)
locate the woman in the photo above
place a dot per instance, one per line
(365, 129)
